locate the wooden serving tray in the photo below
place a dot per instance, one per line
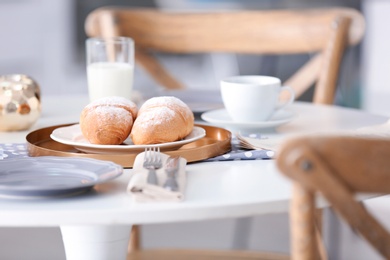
(216, 142)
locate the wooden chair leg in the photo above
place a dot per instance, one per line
(303, 240)
(320, 248)
(135, 239)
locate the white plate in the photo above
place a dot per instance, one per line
(220, 117)
(49, 176)
(72, 135)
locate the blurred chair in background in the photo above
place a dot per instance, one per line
(338, 168)
(324, 34)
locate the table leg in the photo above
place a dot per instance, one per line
(95, 242)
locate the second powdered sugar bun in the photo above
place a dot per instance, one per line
(161, 120)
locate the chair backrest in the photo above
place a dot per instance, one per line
(324, 31)
(337, 168)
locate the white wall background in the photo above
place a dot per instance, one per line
(376, 57)
(37, 40)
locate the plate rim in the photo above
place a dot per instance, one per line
(115, 169)
(90, 146)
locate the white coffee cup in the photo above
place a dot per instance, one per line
(110, 67)
(253, 98)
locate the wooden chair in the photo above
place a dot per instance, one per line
(336, 168)
(322, 33)
(325, 33)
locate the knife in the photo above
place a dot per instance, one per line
(171, 169)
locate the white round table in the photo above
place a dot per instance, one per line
(96, 225)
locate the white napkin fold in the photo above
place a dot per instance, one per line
(271, 143)
(141, 191)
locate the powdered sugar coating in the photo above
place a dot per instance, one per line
(115, 101)
(162, 119)
(113, 114)
(108, 120)
(164, 101)
(167, 108)
(158, 117)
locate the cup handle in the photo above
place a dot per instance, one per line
(289, 100)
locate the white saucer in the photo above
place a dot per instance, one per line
(71, 135)
(220, 117)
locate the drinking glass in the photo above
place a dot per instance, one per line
(110, 67)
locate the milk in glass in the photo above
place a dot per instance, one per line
(110, 79)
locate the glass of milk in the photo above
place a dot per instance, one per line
(110, 67)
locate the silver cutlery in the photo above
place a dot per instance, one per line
(152, 162)
(171, 168)
(271, 143)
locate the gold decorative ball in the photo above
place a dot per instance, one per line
(20, 102)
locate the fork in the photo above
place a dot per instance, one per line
(172, 167)
(152, 162)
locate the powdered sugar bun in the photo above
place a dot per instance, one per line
(161, 120)
(108, 120)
